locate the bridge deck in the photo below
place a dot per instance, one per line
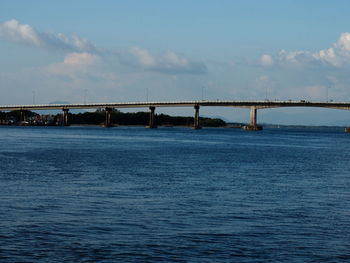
(205, 103)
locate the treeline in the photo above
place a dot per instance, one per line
(17, 115)
(140, 118)
(98, 118)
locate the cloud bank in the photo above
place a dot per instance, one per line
(169, 62)
(338, 55)
(74, 63)
(13, 31)
(140, 58)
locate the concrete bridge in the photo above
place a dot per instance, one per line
(108, 107)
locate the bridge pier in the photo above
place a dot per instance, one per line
(196, 124)
(253, 124)
(253, 112)
(22, 117)
(151, 123)
(65, 121)
(108, 120)
(21, 120)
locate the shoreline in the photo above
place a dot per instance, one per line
(268, 126)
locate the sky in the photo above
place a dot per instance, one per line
(160, 50)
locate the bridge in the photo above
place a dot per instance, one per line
(108, 107)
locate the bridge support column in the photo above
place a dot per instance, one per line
(22, 117)
(253, 124)
(65, 121)
(152, 123)
(196, 124)
(253, 112)
(108, 120)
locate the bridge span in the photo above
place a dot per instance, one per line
(196, 104)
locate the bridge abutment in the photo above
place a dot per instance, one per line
(196, 124)
(152, 123)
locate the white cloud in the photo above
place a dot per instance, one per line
(329, 56)
(81, 59)
(83, 50)
(13, 31)
(143, 57)
(297, 57)
(73, 64)
(61, 41)
(173, 60)
(266, 60)
(169, 62)
(338, 55)
(344, 42)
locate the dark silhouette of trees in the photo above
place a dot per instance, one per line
(118, 118)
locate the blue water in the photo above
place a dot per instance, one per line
(82, 194)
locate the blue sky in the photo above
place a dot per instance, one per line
(121, 50)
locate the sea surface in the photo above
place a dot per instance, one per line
(130, 194)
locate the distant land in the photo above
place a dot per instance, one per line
(98, 117)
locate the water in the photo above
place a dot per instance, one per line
(174, 195)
